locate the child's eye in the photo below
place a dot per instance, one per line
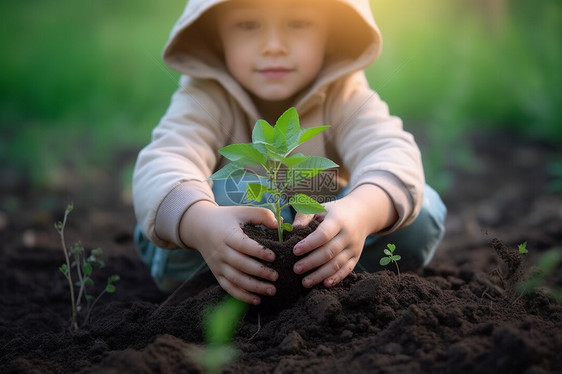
(299, 24)
(248, 25)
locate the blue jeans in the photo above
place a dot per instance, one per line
(416, 243)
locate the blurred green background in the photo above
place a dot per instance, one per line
(82, 80)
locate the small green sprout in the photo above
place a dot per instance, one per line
(538, 277)
(270, 148)
(84, 266)
(220, 323)
(522, 248)
(390, 257)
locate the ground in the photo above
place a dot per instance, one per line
(462, 314)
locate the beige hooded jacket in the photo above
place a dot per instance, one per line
(210, 110)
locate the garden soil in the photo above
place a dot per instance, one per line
(461, 314)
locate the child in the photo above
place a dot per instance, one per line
(242, 60)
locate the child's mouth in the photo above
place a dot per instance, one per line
(274, 73)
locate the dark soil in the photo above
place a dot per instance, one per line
(289, 284)
(462, 314)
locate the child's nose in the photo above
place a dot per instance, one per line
(275, 42)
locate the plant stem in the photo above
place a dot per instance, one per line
(396, 263)
(92, 307)
(74, 323)
(80, 278)
(279, 218)
(277, 205)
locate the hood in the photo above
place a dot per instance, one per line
(192, 49)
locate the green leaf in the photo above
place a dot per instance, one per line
(523, 248)
(89, 297)
(308, 168)
(230, 170)
(305, 205)
(387, 252)
(311, 132)
(396, 258)
(69, 207)
(64, 269)
(294, 159)
(288, 124)
(110, 288)
(244, 153)
(88, 282)
(287, 227)
(221, 321)
(87, 268)
(317, 163)
(214, 358)
(263, 132)
(384, 261)
(58, 226)
(548, 261)
(286, 133)
(279, 146)
(113, 278)
(97, 252)
(392, 247)
(293, 177)
(255, 191)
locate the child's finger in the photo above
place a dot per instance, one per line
(258, 216)
(321, 255)
(332, 272)
(322, 235)
(241, 243)
(341, 273)
(302, 220)
(238, 292)
(249, 283)
(238, 260)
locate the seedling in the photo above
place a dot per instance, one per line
(270, 148)
(84, 266)
(390, 257)
(219, 324)
(523, 248)
(545, 267)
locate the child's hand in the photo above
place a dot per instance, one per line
(337, 243)
(216, 233)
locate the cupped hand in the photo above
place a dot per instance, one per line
(335, 247)
(216, 232)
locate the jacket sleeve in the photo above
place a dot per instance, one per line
(171, 171)
(375, 149)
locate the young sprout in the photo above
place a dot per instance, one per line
(390, 257)
(84, 266)
(271, 148)
(539, 276)
(219, 324)
(522, 248)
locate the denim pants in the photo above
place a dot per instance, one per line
(416, 243)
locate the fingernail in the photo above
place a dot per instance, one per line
(298, 269)
(271, 291)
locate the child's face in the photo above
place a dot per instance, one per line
(273, 48)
